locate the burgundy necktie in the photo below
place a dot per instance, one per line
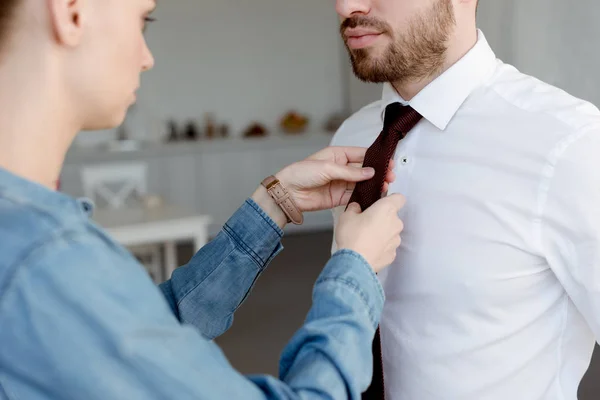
(399, 120)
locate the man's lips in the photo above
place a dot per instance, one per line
(358, 38)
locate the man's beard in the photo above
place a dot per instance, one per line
(416, 54)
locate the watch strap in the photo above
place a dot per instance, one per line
(283, 199)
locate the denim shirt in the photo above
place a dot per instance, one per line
(81, 319)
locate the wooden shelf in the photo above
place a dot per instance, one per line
(150, 150)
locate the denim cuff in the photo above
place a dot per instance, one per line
(352, 270)
(252, 229)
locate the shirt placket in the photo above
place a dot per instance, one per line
(404, 158)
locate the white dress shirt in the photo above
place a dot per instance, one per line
(495, 293)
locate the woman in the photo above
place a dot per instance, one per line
(79, 317)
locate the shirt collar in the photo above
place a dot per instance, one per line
(439, 101)
(26, 192)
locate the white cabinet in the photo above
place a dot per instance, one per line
(173, 178)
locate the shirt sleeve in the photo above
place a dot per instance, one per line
(568, 223)
(81, 320)
(208, 290)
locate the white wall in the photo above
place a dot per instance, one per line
(558, 42)
(243, 60)
(496, 20)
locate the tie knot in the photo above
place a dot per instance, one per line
(400, 118)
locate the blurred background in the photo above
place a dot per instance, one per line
(241, 89)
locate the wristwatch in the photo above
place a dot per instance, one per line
(283, 199)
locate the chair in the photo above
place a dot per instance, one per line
(119, 186)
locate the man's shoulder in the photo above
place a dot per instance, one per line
(559, 124)
(543, 101)
(365, 119)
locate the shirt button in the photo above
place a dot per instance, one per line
(87, 206)
(404, 160)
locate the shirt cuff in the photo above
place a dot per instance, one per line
(252, 229)
(352, 270)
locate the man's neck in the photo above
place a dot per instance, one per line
(36, 128)
(460, 46)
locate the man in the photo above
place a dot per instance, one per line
(495, 291)
(79, 317)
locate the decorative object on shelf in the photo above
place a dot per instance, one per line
(123, 142)
(173, 132)
(294, 122)
(152, 202)
(224, 131)
(255, 130)
(122, 132)
(191, 132)
(209, 126)
(334, 122)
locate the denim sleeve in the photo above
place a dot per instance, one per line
(208, 290)
(330, 357)
(82, 321)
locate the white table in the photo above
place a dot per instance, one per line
(167, 225)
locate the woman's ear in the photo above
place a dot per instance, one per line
(67, 20)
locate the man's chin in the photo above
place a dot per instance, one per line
(367, 65)
(369, 73)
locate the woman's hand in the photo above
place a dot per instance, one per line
(324, 180)
(327, 179)
(375, 233)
